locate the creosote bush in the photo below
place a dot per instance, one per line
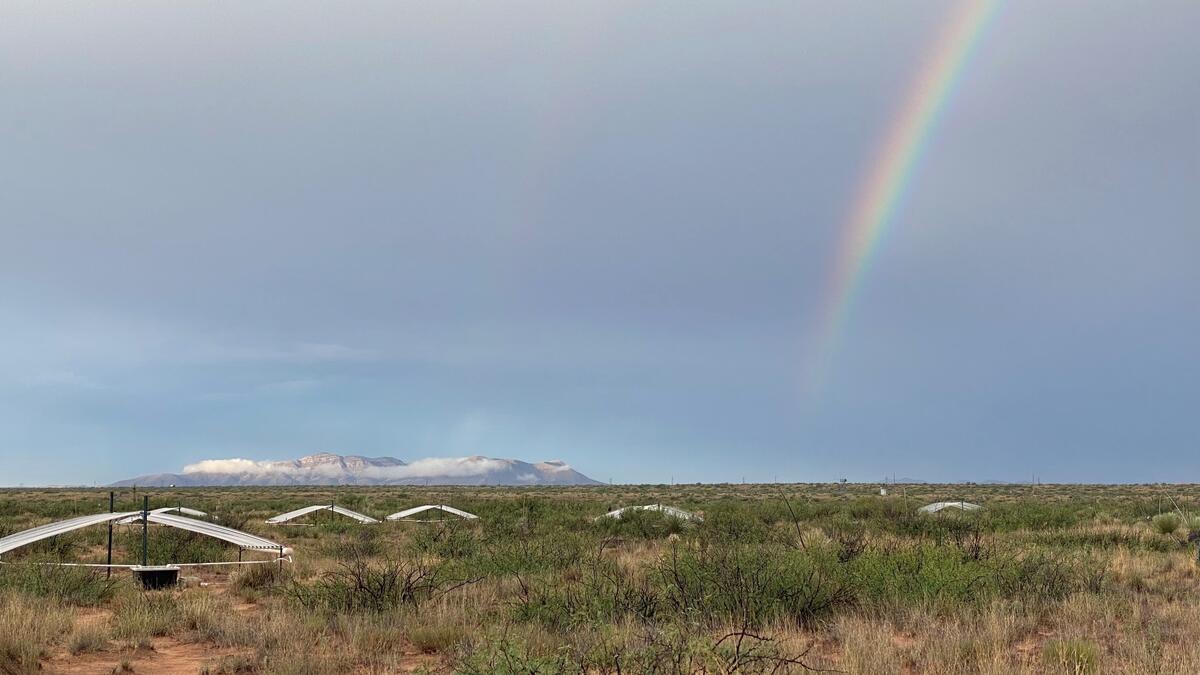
(363, 585)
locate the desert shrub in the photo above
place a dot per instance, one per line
(598, 590)
(849, 536)
(167, 545)
(501, 556)
(1034, 515)
(1166, 523)
(949, 525)
(733, 523)
(943, 578)
(926, 574)
(448, 539)
(753, 584)
(357, 542)
(70, 585)
(1039, 577)
(1071, 656)
(255, 578)
(238, 519)
(361, 585)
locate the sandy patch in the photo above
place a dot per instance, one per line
(167, 656)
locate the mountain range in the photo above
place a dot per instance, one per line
(331, 469)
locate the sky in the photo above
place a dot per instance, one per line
(599, 232)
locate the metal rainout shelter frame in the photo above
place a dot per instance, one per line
(671, 511)
(243, 540)
(284, 518)
(403, 516)
(181, 510)
(938, 507)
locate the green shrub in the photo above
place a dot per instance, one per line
(1167, 523)
(260, 578)
(1071, 656)
(167, 545)
(445, 540)
(753, 584)
(366, 586)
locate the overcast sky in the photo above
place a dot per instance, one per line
(596, 232)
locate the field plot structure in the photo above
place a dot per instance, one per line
(938, 507)
(243, 540)
(181, 510)
(287, 518)
(406, 516)
(671, 511)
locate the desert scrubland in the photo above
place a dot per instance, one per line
(777, 578)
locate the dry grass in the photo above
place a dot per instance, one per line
(28, 629)
(88, 639)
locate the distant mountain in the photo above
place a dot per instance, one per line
(330, 469)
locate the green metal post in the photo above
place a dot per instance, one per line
(145, 530)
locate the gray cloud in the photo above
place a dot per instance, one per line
(596, 231)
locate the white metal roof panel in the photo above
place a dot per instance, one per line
(292, 515)
(35, 534)
(235, 537)
(661, 508)
(938, 506)
(137, 518)
(429, 507)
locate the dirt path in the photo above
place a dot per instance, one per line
(167, 657)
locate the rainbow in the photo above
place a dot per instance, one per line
(882, 187)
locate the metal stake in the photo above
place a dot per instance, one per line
(145, 529)
(111, 503)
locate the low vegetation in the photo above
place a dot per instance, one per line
(1059, 579)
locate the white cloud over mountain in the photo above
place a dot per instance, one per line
(421, 468)
(331, 469)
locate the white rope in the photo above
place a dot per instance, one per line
(287, 559)
(435, 520)
(54, 564)
(242, 562)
